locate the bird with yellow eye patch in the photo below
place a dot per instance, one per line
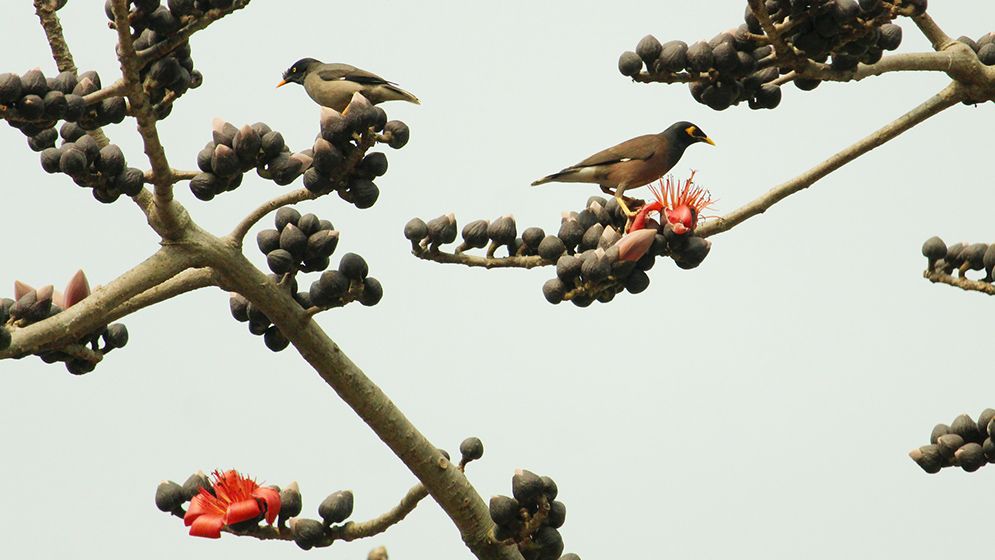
(634, 163)
(332, 85)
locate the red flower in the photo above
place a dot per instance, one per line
(680, 204)
(236, 499)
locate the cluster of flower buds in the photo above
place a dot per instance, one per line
(102, 169)
(168, 77)
(960, 257)
(227, 501)
(741, 65)
(314, 533)
(33, 104)
(984, 47)
(531, 518)
(31, 305)
(597, 252)
(305, 243)
(965, 443)
(233, 151)
(341, 163)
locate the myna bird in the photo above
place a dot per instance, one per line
(633, 163)
(332, 85)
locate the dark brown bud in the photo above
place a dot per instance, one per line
(336, 508)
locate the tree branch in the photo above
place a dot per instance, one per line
(166, 217)
(186, 281)
(94, 311)
(948, 97)
(932, 31)
(163, 48)
(444, 481)
(60, 51)
(352, 530)
(292, 197)
(939, 277)
(465, 259)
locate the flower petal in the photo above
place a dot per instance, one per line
(243, 510)
(201, 504)
(207, 526)
(77, 289)
(272, 499)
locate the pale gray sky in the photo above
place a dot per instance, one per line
(760, 406)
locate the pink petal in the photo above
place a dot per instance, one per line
(635, 244)
(21, 289)
(207, 526)
(272, 499)
(45, 292)
(76, 290)
(243, 510)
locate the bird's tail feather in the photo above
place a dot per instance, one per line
(558, 176)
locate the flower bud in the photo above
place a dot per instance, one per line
(336, 508)
(471, 449)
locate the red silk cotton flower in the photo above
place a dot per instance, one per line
(679, 203)
(236, 500)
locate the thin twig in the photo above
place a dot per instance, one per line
(186, 281)
(56, 40)
(948, 97)
(161, 49)
(348, 531)
(292, 197)
(938, 277)
(117, 89)
(60, 51)
(478, 261)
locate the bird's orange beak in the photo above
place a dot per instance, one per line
(705, 139)
(285, 82)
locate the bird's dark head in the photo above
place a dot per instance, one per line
(686, 133)
(298, 71)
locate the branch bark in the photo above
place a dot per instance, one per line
(948, 97)
(92, 313)
(167, 218)
(967, 284)
(443, 480)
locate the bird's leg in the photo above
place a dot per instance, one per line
(621, 202)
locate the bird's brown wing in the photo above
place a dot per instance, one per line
(332, 72)
(640, 147)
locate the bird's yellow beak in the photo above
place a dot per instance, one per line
(709, 140)
(282, 83)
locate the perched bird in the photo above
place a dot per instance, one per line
(332, 85)
(633, 163)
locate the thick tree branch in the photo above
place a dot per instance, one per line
(950, 96)
(444, 481)
(167, 218)
(96, 310)
(939, 277)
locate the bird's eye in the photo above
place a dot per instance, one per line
(691, 130)
(293, 70)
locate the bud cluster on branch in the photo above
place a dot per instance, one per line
(965, 443)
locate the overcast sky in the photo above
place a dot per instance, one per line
(760, 406)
